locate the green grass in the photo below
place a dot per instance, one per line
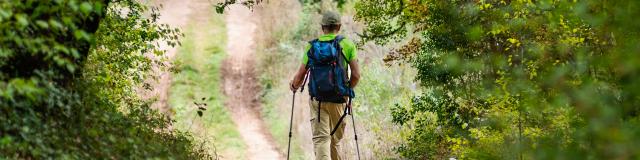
(381, 87)
(276, 98)
(278, 124)
(197, 81)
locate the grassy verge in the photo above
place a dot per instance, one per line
(276, 96)
(277, 57)
(278, 122)
(196, 83)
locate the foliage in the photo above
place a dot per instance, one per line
(381, 89)
(515, 79)
(68, 80)
(221, 6)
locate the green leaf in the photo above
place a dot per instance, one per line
(5, 140)
(86, 7)
(5, 14)
(22, 20)
(55, 24)
(71, 68)
(82, 35)
(42, 24)
(475, 33)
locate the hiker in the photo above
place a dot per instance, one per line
(327, 106)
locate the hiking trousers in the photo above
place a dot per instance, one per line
(326, 146)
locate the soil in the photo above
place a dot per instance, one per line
(240, 83)
(239, 78)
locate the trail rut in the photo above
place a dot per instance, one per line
(240, 83)
(239, 79)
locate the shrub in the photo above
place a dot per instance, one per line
(67, 86)
(514, 79)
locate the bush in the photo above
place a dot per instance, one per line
(514, 79)
(67, 86)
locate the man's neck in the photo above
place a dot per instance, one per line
(330, 33)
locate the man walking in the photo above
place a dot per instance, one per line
(325, 61)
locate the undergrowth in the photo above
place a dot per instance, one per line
(68, 80)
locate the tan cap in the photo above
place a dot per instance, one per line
(330, 17)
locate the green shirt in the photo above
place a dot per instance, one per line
(348, 48)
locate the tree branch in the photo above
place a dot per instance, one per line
(394, 31)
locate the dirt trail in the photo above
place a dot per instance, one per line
(176, 14)
(241, 86)
(239, 79)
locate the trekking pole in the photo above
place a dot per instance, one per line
(354, 128)
(293, 100)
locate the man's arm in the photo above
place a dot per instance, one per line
(298, 78)
(355, 73)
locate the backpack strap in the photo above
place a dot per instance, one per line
(319, 104)
(342, 58)
(347, 110)
(310, 53)
(336, 42)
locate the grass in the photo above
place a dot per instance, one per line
(197, 81)
(380, 89)
(277, 53)
(276, 98)
(276, 62)
(278, 124)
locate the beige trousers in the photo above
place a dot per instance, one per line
(326, 146)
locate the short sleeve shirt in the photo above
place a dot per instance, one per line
(348, 48)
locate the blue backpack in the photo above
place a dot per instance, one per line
(327, 73)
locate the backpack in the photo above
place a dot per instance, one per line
(328, 80)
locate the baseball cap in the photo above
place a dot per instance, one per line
(330, 17)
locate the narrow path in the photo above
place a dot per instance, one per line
(241, 87)
(175, 13)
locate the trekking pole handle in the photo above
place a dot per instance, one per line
(306, 77)
(349, 106)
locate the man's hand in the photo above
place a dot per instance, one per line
(297, 79)
(292, 87)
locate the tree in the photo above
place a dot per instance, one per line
(514, 79)
(69, 70)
